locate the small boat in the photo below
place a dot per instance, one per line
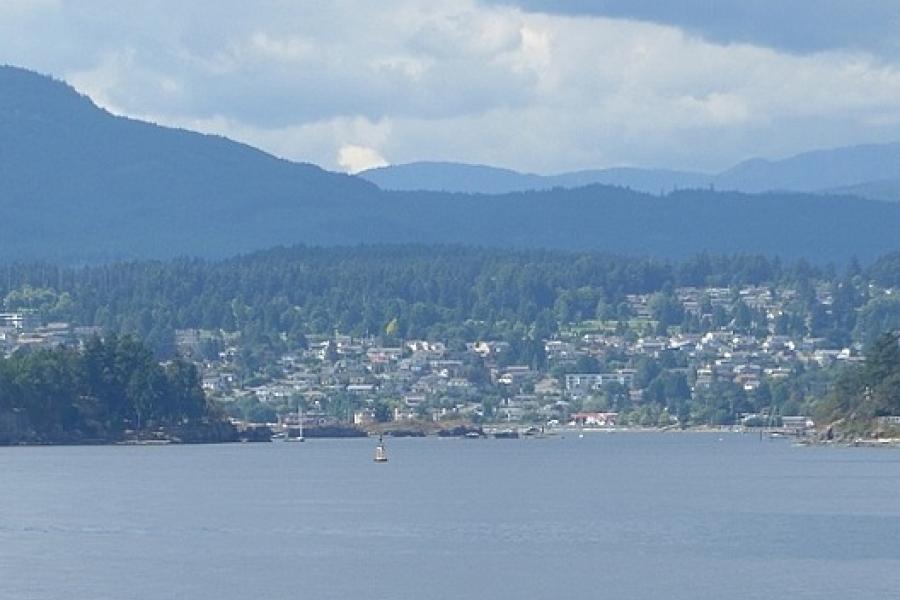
(380, 452)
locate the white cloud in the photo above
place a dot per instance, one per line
(292, 49)
(359, 158)
(347, 82)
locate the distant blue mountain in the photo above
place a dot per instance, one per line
(480, 179)
(78, 184)
(855, 170)
(887, 190)
(814, 171)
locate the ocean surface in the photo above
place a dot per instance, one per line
(621, 516)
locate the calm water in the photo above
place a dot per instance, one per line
(674, 516)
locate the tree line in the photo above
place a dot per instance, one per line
(863, 393)
(97, 393)
(277, 297)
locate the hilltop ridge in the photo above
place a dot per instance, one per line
(868, 171)
(83, 185)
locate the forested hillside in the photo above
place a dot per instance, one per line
(83, 186)
(794, 326)
(439, 292)
(80, 183)
(864, 394)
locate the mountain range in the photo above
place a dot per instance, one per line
(868, 171)
(78, 184)
(481, 179)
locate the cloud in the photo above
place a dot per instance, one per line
(798, 26)
(347, 83)
(359, 158)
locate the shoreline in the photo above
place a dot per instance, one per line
(488, 431)
(229, 433)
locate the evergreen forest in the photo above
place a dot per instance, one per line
(101, 393)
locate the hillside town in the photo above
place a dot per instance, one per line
(592, 374)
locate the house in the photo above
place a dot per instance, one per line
(651, 347)
(585, 382)
(430, 349)
(405, 413)
(27, 320)
(365, 416)
(559, 350)
(889, 421)
(460, 383)
(446, 368)
(595, 419)
(778, 373)
(383, 355)
(489, 350)
(515, 375)
(797, 424)
(414, 400)
(547, 386)
(511, 410)
(705, 378)
(213, 383)
(360, 388)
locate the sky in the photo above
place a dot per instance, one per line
(535, 85)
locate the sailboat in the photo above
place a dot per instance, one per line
(299, 437)
(770, 424)
(380, 452)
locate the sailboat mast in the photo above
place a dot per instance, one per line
(300, 418)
